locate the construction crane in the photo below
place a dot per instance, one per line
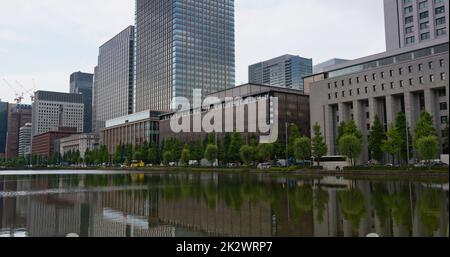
(29, 92)
(19, 96)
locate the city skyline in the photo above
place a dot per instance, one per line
(74, 47)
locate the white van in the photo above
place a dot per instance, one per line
(337, 162)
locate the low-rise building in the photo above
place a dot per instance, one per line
(43, 145)
(79, 142)
(134, 129)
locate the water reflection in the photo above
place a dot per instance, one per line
(210, 204)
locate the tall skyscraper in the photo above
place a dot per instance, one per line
(82, 83)
(18, 116)
(114, 78)
(284, 71)
(52, 110)
(182, 45)
(410, 22)
(3, 127)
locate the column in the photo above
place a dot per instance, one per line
(390, 109)
(410, 110)
(373, 107)
(430, 105)
(360, 121)
(328, 129)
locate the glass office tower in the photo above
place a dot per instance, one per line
(182, 45)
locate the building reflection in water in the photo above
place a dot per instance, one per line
(180, 205)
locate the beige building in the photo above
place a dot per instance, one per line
(80, 142)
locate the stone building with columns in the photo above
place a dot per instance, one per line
(410, 80)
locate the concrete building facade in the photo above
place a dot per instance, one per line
(82, 83)
(79, 142)
(409, 80)
(182, 45)
(25, 140)
(53, 109)
(410, 22)
(318, 68)
(134, 129)
(286, 71)
(43, 145)
(3, 127)
(114, 78)
(18, 116)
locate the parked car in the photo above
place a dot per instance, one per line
(264, 166)
(232, 165)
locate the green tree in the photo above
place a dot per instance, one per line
(235, 146)
(153, 154)
(446, 142)
(119, 154)
(302, 148)
(197, 152)
(424, 127)
(349, 128)
(226, 147)
(393, 142)
(185, 155)
(247, 154)
(167, 157)
(264, 152)
(211, 153)
(376, 137)
(293, 136)
(318, 145)
(427, 147)
(350, 146)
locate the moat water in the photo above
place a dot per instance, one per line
(116, 204)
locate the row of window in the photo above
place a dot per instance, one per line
(422, 15)
(391, 84)
(425, 25)
(420, 67)
(424, 36)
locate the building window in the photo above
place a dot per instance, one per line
(365, 78)
(405, 2)
(444, 120)
(441, 32)
(421, 80)
(410, 40)
(430, 65)
(409, 19)
(442, 93)
(392, 85)
(374, 88)
(424, 25)
(343, 93)
(410, 69)
(351, 92)
(420, 67)
(366, 89)
(438, 1)
(357, 80)
(329, 96)
(441, 63)
(408, 10)
(382, 74)
(401, 83)
(368, 115)
(342, 83)
(440, 21)
(439, 10)
(335, 84)
(329, 86)
(431, 78)
(443, 76)
(336, 95)
(358, 91)
(400, 71)
(423, 5)
(410, 82)
(409, 30)
(391, 73)
(425, 36)
(443, 106)
(423, 15)
(349, 81)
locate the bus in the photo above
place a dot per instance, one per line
(337, 162)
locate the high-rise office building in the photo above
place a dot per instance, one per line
(25, 140)
(323, 65)
(18, 116)
(53, 109)
(410, 22)
(285, 71)
(3, 127)
(82, 83)
(182, 45)
(113, 79)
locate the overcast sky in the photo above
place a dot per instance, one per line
(47, 40)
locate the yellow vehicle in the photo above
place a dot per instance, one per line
(137, 164)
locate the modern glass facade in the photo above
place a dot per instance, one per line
(182, 45)
(82, 83)
(285, 71)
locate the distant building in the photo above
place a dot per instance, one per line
(79, 142)
(82, 83)
(410, 22)
(181, 46)
(43, 145)
(3, 127)
(114, 78)
(53, 109)
(321, 66)
(18, 116)
(286, 71)
(25, 140)
(133, 129)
